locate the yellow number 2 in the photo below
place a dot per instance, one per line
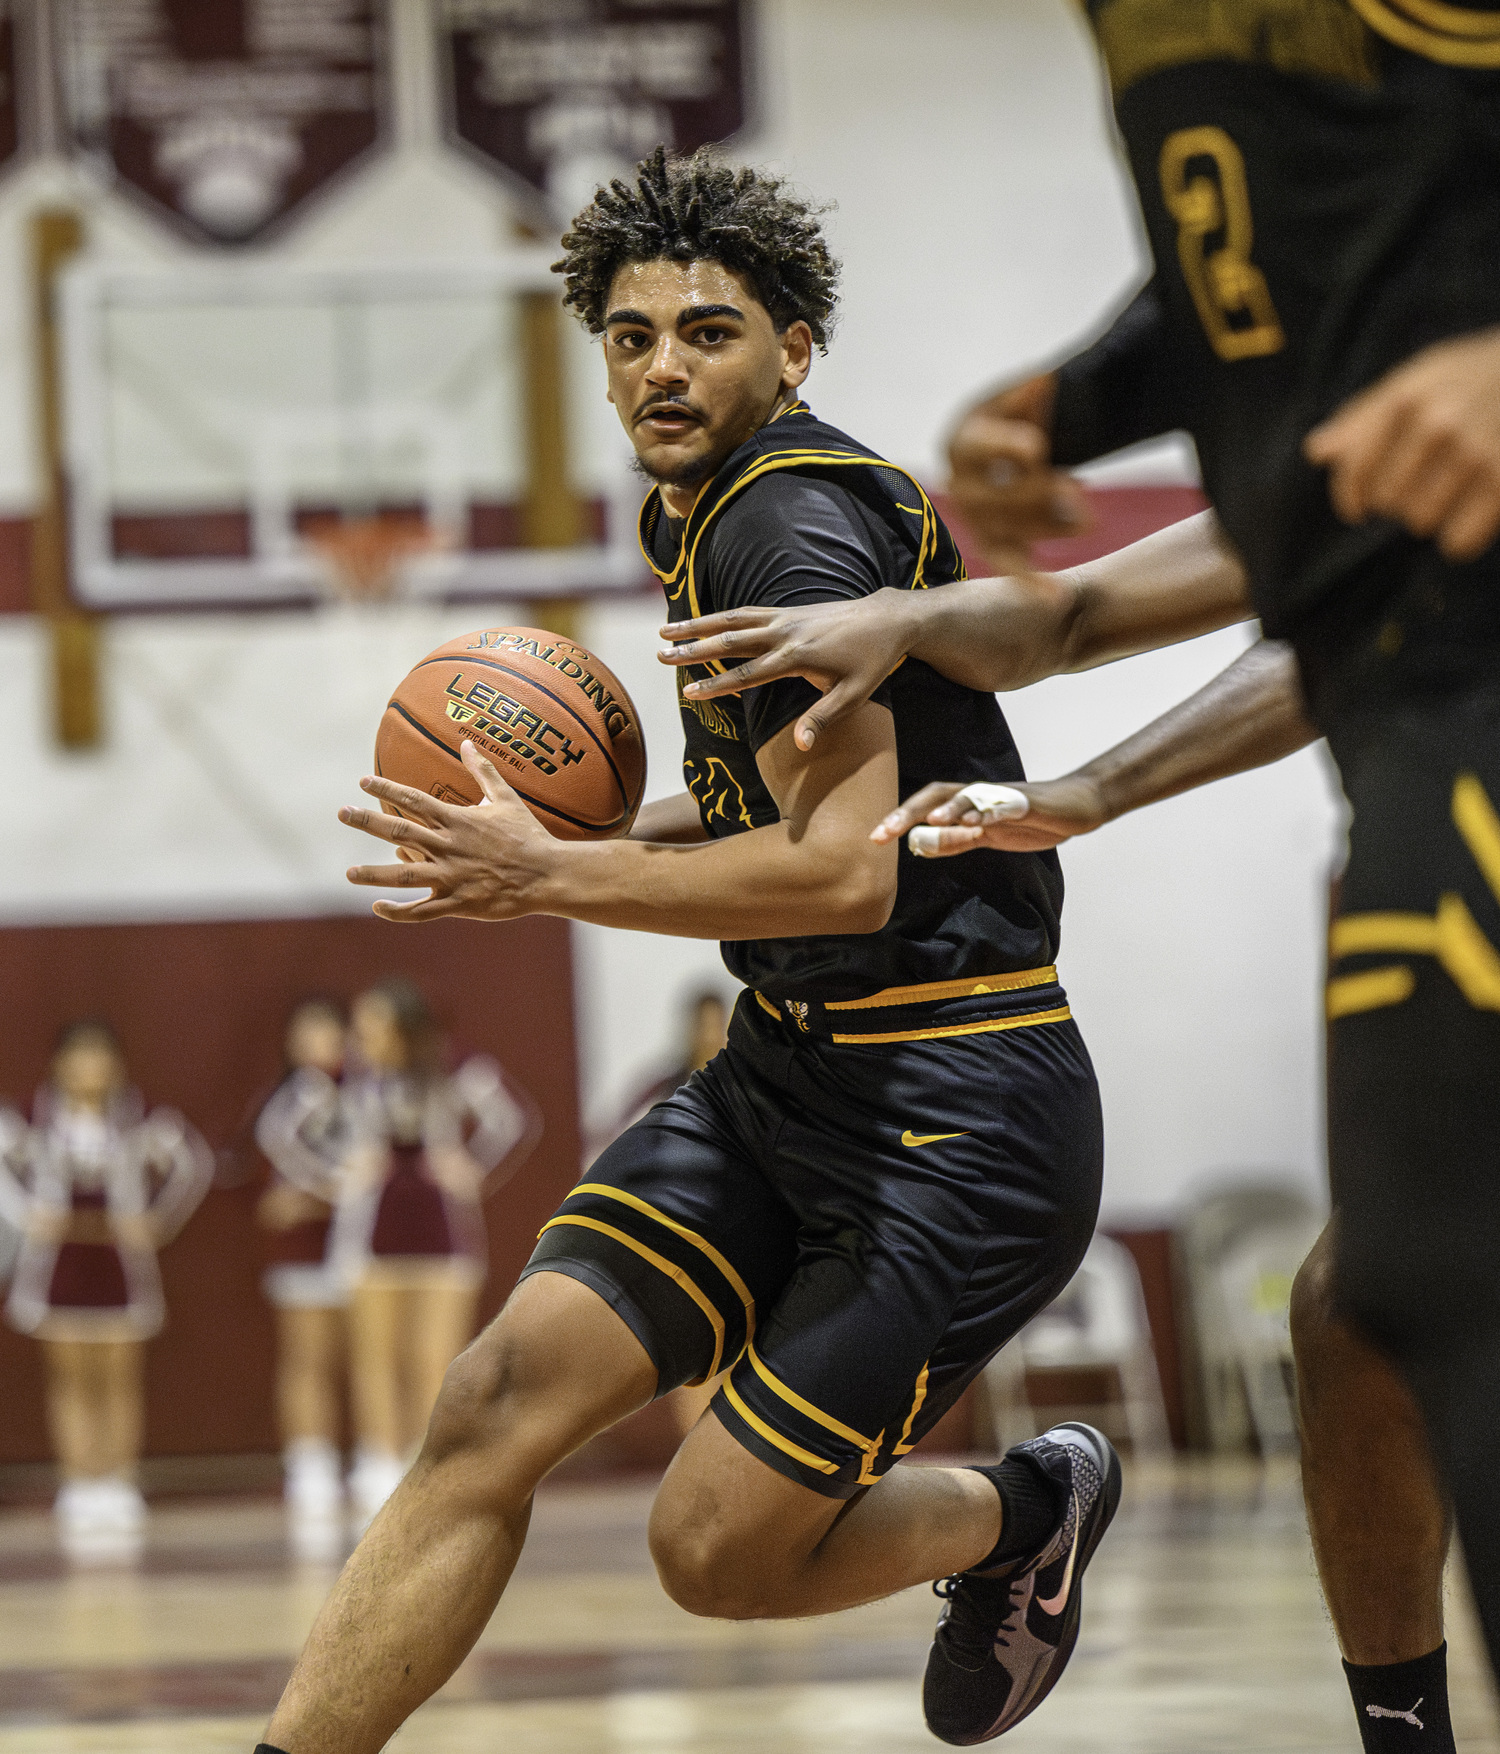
(1214, 234)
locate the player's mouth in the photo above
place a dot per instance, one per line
(668, 419)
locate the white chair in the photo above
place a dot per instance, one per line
(1256, 1277)
(1098, 1322)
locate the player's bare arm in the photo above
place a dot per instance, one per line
(813, 872)
(1249, 716)
(992, 634)
(673, 821)
(1422, 446)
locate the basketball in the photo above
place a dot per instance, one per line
(557, 724)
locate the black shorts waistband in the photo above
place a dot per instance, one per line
(973, 1006)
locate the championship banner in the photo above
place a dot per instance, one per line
(536, 85)
(226, 115)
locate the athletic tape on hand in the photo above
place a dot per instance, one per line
(993, 803)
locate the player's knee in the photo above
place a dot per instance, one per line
(488, 1407)
(707, 1568)
(1313, 1315)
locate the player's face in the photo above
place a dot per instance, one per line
(695, 365)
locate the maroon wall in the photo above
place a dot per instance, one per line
(200, 1009)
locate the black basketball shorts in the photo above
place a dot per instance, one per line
(851, 1209)
(1414, 1021)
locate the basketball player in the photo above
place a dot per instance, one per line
(896, 1160)
(1319, 186)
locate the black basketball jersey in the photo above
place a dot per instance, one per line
(801, 512)
(1321, 185)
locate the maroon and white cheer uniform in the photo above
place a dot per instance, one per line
(72, 1184)
(303, 1132)
(418, 1156)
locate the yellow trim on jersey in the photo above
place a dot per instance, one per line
(904, 1446)
(662, 1265)
(933, 990)
(1446, 34)
(701, 1243)
(1357, 934)
(756, 1423)
(766, 1005)
(1352, 993)
(1060, 1015)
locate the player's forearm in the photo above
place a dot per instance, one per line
(766, 883)
(1248, 716)
(673, 821)
(1180, 582)
(1002, 634)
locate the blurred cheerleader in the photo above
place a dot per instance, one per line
(302, 1132)
(424, 1149)
(96, 1187)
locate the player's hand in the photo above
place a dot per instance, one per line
(1422, 446)
(482, 861)
(1003, 483)
(847, 649)
(946, 818)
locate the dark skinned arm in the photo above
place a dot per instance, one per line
(815, 871)
(988, 634)
(1249, 716)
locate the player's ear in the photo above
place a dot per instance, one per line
(796, 354)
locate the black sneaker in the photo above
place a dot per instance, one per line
(1004, 1638)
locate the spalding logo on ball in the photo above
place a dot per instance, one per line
(556, 723)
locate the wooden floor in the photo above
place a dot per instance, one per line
(1203, 1630)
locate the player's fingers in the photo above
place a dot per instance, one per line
(722, 621)
(942, 843)
(915, 809)
(491, 781)
(840, 700)
(982, 803)
(1429, 498)
(1474, 521)
(420, 876)
(1416, 458)
(399, 830)
(420, 805)
(414, 912)
(985, 442)
(1351, 447)
(782, 661)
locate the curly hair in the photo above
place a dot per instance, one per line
(700, 208)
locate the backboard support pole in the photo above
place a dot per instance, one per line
(551, 516)
(77, 723)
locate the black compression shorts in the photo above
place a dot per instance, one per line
(854, 1206)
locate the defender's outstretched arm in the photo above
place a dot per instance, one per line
(985, 633)
(1250, 715)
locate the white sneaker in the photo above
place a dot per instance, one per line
(372, 1480)
(313, 1487)
(101, 1520)
(122, 1510)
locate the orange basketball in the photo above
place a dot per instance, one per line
(555, 722)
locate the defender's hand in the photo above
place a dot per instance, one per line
(846, 649)
(1003, 482)
(1422, 446)
(945, 818)
(482, 862)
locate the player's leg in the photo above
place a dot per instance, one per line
(553, 1369)
(1414, 1104)
(735, 1539)
(1377, 1516)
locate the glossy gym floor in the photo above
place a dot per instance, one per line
(1203, 1630)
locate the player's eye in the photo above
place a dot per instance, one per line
(630, 340)
(712, 335)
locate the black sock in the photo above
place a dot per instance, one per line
(266, 1748)
(1031, 1503)
(1403, 1707)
